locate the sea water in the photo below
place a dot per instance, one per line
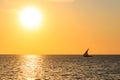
(31, 67)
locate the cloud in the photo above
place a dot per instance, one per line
(62, 0)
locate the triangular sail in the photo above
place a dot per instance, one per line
(86, 53)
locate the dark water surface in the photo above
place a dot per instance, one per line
(30, 67)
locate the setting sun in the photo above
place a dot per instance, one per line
(30, 17)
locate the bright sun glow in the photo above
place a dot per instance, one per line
(30, 17)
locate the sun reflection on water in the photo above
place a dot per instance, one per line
(31, 67)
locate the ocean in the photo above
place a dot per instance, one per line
(74, 67)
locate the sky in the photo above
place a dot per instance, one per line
(68, 27)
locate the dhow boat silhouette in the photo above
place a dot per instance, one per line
(86, 53)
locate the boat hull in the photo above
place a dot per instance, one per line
(87, 56)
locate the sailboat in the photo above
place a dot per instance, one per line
(86, 53)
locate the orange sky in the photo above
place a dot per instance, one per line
(69, 27)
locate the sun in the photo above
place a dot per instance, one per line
(30, 17)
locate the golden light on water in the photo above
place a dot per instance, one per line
(31, 67)
(31, 56)
(30, 17)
